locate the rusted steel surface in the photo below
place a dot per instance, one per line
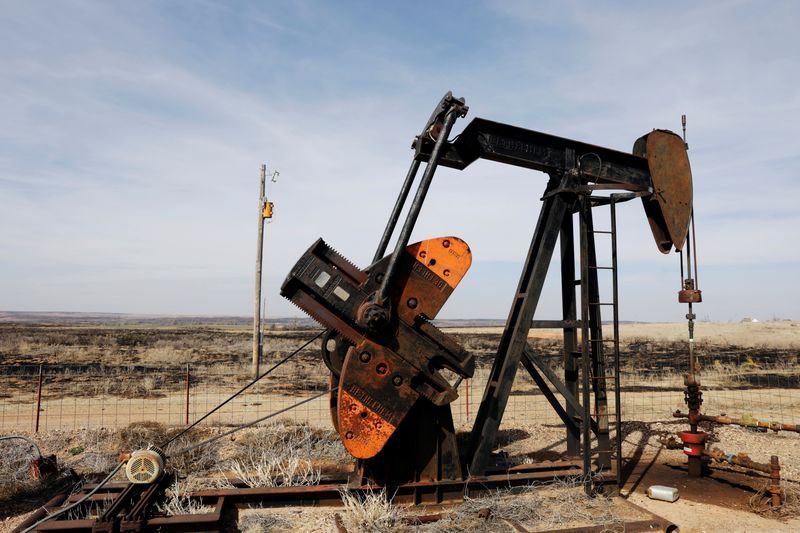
(741, 459)
(690, 296)
(366, 427)
(41, 512)
(205, 522)
(744, 422)
(669, 209)
(447, 257)
(129, 508)
(776, 495)
(384, 361)
(410, 493)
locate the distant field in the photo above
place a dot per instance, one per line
(112, 363)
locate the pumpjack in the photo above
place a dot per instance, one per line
(389, 392)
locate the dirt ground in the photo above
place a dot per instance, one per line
(756, 367)
(719, 502)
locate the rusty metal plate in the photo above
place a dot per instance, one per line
(374, 397)
(669, 210)
(447, 257)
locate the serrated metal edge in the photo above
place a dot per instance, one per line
(341, 257)
(319, 321)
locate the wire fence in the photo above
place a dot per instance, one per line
(47, 397)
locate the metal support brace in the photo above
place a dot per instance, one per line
(518, 324)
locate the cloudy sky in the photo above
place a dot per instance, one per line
(132, 134)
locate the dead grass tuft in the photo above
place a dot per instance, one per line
(267, 469)
(177, 500)
(371, 513)
(141, 434)
(15, 457)
(196, 462)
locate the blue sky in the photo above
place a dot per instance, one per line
(133, 133)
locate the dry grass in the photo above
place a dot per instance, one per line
(370, 513)
(283, 453)
(267, 469)
(126, 345)
(543, 506)
(178, 502)
(790, 501)
(15, 457)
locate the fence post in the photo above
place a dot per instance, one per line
(187, 394)
(466, 391)
(38, 399)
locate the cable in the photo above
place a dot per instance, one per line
(197, 445)
(599, 162)
(237, 393)
(253, 423)
(28, 440)
(77, 503)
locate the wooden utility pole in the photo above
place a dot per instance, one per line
(257, 345)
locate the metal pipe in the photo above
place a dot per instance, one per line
(38, 399)
(694, 244)
(720, 456)
(466, 399)
(186, 418)
(398, 208)
(739, 459)
(615, 289)
(775, 482)
(41, 512)
(416, 205)
(752, 423)
(585, 369)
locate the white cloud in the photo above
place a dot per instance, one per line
(133, 136)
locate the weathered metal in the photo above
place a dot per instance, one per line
(693, 444)
(127, 508)
(130, 506)
(744, 422)
(690, 296)
(41, 512)
(384, 320)
(669, 209)
(38, 400)
(383, 373)
(776, 494)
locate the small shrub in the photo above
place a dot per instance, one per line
(178, 502)
(371, 513)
